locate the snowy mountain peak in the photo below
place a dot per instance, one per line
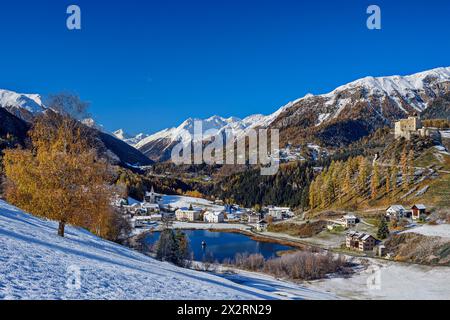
(120, 134)
(21, 105)
(128, 138)
(398, 84)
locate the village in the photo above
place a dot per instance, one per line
(157, 208)
(352, 233)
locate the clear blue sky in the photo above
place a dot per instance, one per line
(147, 65)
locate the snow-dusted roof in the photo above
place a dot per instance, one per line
(420, 206)
(396, 207)
(359, 235)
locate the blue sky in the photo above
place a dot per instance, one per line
(147, 65)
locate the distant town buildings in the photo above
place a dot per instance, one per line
(261, 226)
(398, 212)
(395, 211)
(152, 197)
(406, 128)
(279, 213)
(360, 241)
(349, 220)
(214, 217)
(185, 214)
(417, 211)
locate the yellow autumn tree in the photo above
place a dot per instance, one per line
(61, 177)
(374, 181)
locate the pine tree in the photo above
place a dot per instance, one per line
(383, 229)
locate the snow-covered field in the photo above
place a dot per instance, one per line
(37, 264)
(441, 230)
(390, 281)
(185, 202)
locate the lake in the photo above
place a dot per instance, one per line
(223, 245)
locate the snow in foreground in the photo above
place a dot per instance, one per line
(385, 280)
(36, 264)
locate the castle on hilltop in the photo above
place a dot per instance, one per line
(406, 128)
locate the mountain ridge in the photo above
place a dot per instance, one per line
(367, 104)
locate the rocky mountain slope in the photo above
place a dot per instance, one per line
(361, 106)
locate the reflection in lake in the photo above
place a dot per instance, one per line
(223, 245)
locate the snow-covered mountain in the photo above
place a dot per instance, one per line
(131, 140)
(355, 109)
(21, 105)
(369, 103)
(159, 145)
(37, 264)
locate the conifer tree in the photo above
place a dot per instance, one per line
(383, 229)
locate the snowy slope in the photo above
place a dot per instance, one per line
(34, 264)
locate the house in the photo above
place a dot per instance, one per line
(184, 214)
(253, 218)
(261, 226)
(150, 207)
(395, 211)
(141, 222)
(380, 250)
(360, 241)
(279, 213)
(349, 220)
(214, 217)
(418, 210)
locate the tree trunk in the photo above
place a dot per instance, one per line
(61, 228)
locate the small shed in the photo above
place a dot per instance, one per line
(418, 210)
